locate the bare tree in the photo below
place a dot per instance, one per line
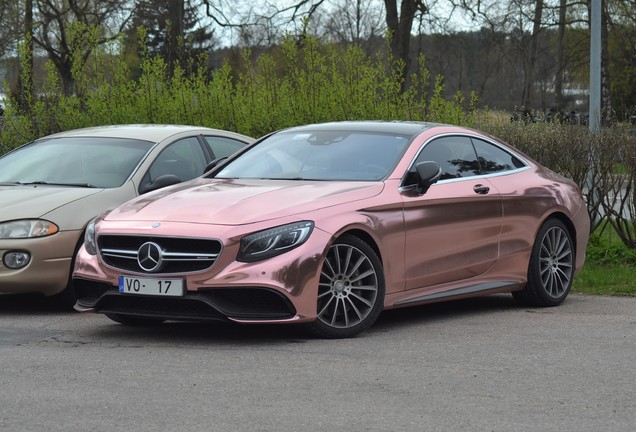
(10, 25)
(61, 28)
(25, 78)
(251, 21)
(560, 59)
(356, 21)
(607, 114)
(400, 25)
(527, 97)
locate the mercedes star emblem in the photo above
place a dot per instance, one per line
(149, 257)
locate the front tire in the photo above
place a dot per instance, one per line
(551, 268)
(351, 289)
(66, 299)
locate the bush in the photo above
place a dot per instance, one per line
(289, 86)
(602, 164)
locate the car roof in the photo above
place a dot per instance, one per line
(148, 132)
(374, 126)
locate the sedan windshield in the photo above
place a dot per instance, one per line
(320, 155)
(78, 162)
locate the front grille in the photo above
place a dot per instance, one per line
(178, 254)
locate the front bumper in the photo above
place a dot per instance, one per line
(49, 268)
(233, 304)
(281, 289)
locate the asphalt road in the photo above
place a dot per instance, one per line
(476, 365)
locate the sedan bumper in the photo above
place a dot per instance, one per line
(48, 269)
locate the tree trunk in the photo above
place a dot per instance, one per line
(175, 37)
(25, 78)
(527, 99)
(400, 29)
(607, 114)
(558, 79)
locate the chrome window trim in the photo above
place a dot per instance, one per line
(527, 164)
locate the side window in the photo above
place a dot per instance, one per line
(183, 158)
(493, 159)
(223, 147)
(455, 155)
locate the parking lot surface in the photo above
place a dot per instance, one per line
(476, 365)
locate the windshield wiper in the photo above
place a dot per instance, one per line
(282, 178)
(40, 182)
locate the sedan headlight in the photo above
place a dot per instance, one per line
(89, 238)
(27, 228)
(274, 241)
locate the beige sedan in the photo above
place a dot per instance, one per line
(51, 188)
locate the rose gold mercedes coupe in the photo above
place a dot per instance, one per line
(329, 224)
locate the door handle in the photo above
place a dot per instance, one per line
(481, 189)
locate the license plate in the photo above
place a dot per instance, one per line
(151, 286)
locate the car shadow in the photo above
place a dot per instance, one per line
(444, 311)
(230, 333)
(30, 304)
(224, 332)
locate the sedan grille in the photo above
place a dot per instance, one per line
(147, 254)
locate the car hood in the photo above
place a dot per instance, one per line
(237, 202)
(35, 201)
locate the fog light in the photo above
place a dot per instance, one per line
(16, 259)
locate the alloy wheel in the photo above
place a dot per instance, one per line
(348, 287)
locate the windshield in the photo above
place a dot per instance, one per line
(320, 155)
(88, 162)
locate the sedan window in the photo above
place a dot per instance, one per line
(184, 159)
(223, 147)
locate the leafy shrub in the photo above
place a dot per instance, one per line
(606, 249)
(291, 85)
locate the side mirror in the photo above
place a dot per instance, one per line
(427, 174)
(213, 164)
(160, 182)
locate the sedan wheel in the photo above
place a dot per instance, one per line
(351, 289)
(551, 267)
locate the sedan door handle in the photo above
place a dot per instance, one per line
(481, 189)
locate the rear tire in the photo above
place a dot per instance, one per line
(551, 268)
(350, 291)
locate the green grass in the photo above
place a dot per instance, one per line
(610, 267)
(606, 279)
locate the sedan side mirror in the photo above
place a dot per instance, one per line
(427, 174)
(159, 182)
(214, 164)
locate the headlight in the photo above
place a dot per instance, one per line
(274, 241)
(27, 228)
(89, 238)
